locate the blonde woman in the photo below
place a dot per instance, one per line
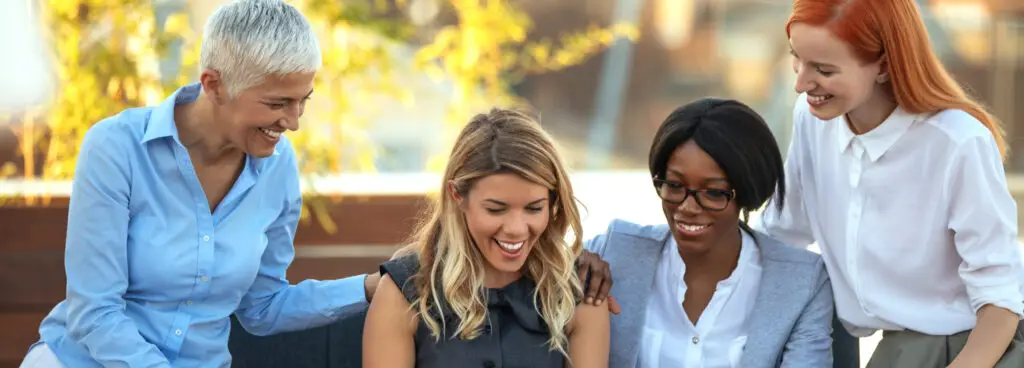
(493, 283)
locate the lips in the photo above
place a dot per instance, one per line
(510, 249)
(818, 100)
(691, 229)
(270, 133)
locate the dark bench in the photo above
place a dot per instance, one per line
(339, 345)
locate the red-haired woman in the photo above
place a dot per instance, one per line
(897, 175)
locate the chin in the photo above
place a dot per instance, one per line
(688, 245)
(261, 153)
(506, 262)
(826, 113)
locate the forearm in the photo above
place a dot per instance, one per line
(309, 304)
(989, 339)
(111, 337)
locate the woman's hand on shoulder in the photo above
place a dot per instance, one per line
(600, 280)
(590, 336)
(390, 328)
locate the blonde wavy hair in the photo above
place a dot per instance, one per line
(451, 273)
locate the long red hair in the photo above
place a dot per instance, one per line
(894, 29)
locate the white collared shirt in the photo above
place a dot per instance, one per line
(670, 340)
(914, 219)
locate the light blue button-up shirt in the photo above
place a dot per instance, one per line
(153, 275)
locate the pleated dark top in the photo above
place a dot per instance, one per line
(513, 336)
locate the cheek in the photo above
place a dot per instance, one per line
(482, 226)
(538, 223)
(669, 209)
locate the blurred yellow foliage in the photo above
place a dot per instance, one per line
(107, 52)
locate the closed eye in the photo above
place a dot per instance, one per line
(718, 193)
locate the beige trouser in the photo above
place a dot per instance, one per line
(41, 356)
(909, 349)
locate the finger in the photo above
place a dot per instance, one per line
(581, 268)
(613, 305)
(606, 287)
(594, 286)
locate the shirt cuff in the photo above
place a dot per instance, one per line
(1008, 297)
(342, 293)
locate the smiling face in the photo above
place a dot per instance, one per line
(254, 119)
(697, 230)
(506, 215)
(835, 80)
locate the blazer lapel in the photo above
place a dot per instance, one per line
(632, 259)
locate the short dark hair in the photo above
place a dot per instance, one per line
(736, 137)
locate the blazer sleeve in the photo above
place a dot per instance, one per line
(810, 342)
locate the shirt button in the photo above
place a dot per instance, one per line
(188, 302)
(488, 364)
(206, 238)
(177, 332)
(696, 340)
(487, 329)
(204, 278)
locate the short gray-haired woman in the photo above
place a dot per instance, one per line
(184, 213)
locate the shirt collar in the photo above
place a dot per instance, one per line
(161, 122)
(878, 141)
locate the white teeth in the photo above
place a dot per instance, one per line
(511, 246)
(818, 98)
(270, 133)
(694, 228)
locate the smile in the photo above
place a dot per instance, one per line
(816, 101)
(691, 229)
(510, 247)
(270, 133)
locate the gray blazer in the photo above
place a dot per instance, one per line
(792, 323)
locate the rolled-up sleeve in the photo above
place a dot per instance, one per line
(96, 254)
(272, 305)
(983, 218)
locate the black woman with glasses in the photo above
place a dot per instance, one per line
(704, 290)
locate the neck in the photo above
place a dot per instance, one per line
(201, 135)
(494, 279)
(871, 113)
(718, 262)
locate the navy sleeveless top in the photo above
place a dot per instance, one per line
(513, 336)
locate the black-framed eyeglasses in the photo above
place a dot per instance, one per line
(709, 199)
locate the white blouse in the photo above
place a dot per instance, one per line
(670, 340)
(914, 219)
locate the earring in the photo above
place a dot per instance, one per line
(882, 78)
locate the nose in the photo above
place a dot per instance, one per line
(689, 206)
(515, 227)
(804, 80)
(291, 117)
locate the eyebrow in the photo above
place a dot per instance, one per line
(708, 180)
(815, 63)
(500, 203)
(288, 99)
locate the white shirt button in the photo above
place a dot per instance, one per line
(188, 302)
(177, 332)
(696, 340)
(206, 238)
(204, 278)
